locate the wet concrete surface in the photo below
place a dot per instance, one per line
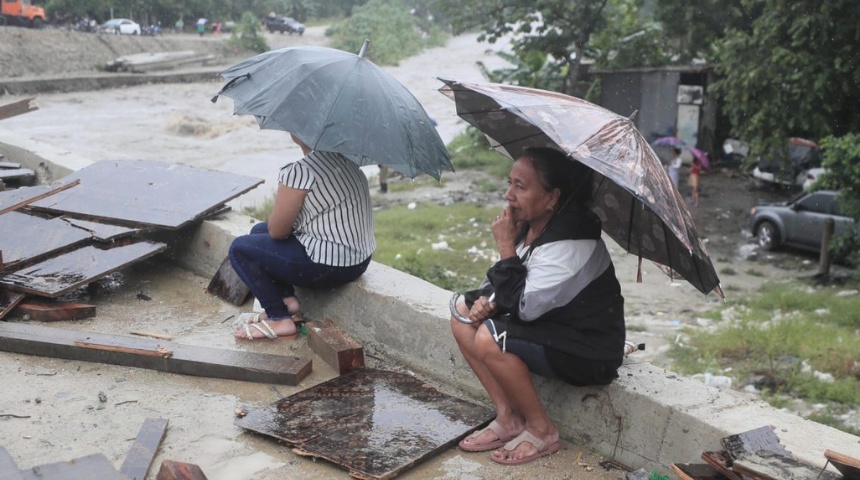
(51, 410)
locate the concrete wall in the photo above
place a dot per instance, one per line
(649, 417)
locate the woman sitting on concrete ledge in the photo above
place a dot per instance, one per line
(320, 235)
(551, 306)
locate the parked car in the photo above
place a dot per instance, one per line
(281, 24)
(798, 223)
(803, 155)
(120, 26)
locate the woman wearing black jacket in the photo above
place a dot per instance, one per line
(551, 306)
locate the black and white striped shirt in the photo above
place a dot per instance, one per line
(335, 223)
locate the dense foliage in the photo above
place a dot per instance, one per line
(794, 72)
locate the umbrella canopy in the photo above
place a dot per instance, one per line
(202, 21)
(632, 194)
(663, 146)
(341, 102)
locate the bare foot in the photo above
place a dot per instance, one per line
(266, 329)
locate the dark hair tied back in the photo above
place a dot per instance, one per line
(557, 170)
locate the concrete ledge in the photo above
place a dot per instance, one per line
(649, 417)
(97, 81)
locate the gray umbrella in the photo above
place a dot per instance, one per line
(337, 101)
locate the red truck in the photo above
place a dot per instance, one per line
(21, 12)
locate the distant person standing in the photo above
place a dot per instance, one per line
(695, 170)
(179, 25)
(675, 166)
(383, 179)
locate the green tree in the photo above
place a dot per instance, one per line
(692, 27)
(559, 28)
(795, 72)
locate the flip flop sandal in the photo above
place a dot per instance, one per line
(494, 427)
(254, 317)
(267, 331)
(542, 449)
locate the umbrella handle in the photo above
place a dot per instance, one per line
(452, 305)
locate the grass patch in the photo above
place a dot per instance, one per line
(728, 271)
(471, 151)
(796, 340)
(754, 273)
(449, 246)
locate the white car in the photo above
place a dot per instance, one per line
(120, 26)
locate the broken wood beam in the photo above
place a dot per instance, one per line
(337, 349)
(19, 107)
(8, 301)
(143, 451)
(172, 470)
(52, 342)
(227, 285)
(848, 466)
(53, 312)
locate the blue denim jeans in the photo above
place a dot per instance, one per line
(273, 268)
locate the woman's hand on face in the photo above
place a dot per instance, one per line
(505, 232)
(481, 310)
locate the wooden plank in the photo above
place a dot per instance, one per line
(102, 232)
(19, 107)
(65, 273)
(160, 336)
(35, 339)
(53, 312)
(722, 462)
(23, 175)
(5, 164)
(143, 451)
(337, 349)
(8, 301)
(28, 238)
(848, 466)
(150, 352)
(227, 285)
(8, 469)
(172, 470)
(95, 466)
(143, 192)
(14, 199)
(767, 465)
(697, 471)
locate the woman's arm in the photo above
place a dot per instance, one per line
(288, 204)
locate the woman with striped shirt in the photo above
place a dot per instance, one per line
(320, 235)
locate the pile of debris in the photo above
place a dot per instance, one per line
(153, 61)
(758, 455)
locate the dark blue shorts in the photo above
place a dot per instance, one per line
(556, 364)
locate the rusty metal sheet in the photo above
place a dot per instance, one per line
(141, 192)
(374, 423)
(28, 237)
(62, 274)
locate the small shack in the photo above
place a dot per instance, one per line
(671, 101)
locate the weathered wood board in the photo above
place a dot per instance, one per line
(767, 465)
(65, 273)
(848, 466)
(28, 238)
(144, 448)
(19, 197)
(35, 339)
(25, 105)
(102, 232)
(227, 285)
(55, 312)
(172, 470)
(337, 349)
(373, 423)
(141, 192)
(8, 301)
